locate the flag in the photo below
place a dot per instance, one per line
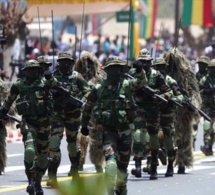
(198, 12)
(148, 20)
(134, 46)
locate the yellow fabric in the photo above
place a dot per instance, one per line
(197, 12)
(149, 19)
(36, 2)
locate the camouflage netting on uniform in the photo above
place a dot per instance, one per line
(180, 70)
(88, 65)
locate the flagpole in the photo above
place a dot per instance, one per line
(177, 11)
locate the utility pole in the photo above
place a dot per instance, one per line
(177, 12)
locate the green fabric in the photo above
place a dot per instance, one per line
(187, 12)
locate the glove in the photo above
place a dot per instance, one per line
(48, 74)
(138, 66)
(172, 100)
(85, 131)
(3, 113)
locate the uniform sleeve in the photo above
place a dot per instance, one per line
(88, 107)
(163, 88)
(14, 92)
(139, 81)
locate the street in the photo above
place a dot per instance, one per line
(197, 180)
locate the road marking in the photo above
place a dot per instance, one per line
(14, 155)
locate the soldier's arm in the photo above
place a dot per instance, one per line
(163, 88)
(176, 91)
(88, 107)
(139, 81)
(14, 92)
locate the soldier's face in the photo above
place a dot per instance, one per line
(32, 73)
(114, 73)
(146, 64)
(202, 67)
(65, 66)
(211, 72)
(45, 66)
(161, 68)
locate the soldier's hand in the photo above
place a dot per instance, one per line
(138, 66)
(85, 131)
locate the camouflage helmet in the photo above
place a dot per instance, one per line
(159, 61)
(43, 60)
(203, 59)
(65, 55)
(211, 64)
(144, 51)
(31, 64)
(144, 57)
(113, 61)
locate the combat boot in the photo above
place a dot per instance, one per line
(137, 170)
(121, 192)
(211, 150)
(99, 169)
(154, 164)
(206, 149)
(170, 170)
(181, 170)
(74, 168)
(162, 156)
(38, 188)
(30, 187)
(147, 169)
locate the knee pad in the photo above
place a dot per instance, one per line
(29, 154)
(54, 143)
(206, 125)
(55, 162)
(42, 161)
(138, 137)
(111, 167)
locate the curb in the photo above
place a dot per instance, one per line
(13, 136)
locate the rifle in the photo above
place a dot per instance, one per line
(148, 90)
(19, 121)
(60, 91)
(190, 106)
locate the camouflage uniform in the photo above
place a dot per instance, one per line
(207, 87)
(89, 66)
(114, 110)
(44, 63)
(151, 107)
(203, 64)
(167, 114)
(67, 116)
(34, 104)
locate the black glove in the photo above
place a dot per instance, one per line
(3, 113)
(138, 65)
(48, 74)
(85, 131)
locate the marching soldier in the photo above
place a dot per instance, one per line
(114, 111)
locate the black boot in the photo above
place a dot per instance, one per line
(74, 168)
(38, 188)
(162, 156)
(206, 149)
(181, 170)
(154, 165)
(170, 170)
(52, 172)
(147, 169)
(30, 176)
(211, 150)
(137, 170)
(99, 169)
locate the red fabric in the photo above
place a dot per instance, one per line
(154, 16)
(207, 13)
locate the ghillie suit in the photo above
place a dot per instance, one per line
(180, 70)
(89, 66)
(3, 132)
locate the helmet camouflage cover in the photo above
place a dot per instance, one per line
(203, 59)
(65, 55)
(144, 51)
(113, 61)
(31, 64)
(211, 64)
(43, 60)
(159, 61)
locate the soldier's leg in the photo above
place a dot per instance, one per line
(3, 155)
(57, 129)
(152, 124)
(96, 153)
(207, 128)
(29, 135)
(109, 145)
(72, 125)
(167, 125)
(195, 131)
(123, 156)
(42, 148)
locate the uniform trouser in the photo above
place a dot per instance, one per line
(71, 122)
(36, 134)
(208, 127)
(117, 149)
(152, 115)
(167, 117)
(140, 136)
